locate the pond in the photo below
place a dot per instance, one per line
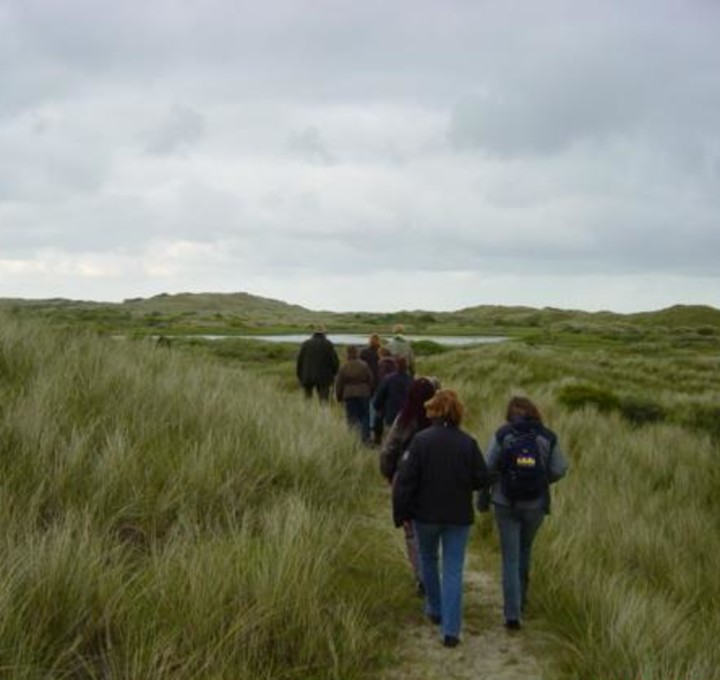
(361, 340)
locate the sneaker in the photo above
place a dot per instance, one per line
(513, 624)
(450, 641)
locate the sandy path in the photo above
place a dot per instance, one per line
(487, 651)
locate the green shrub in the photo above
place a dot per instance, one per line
(575, 397)
(423, 348)
(641, 410)
(705, 418)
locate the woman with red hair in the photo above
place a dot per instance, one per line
(434, 488)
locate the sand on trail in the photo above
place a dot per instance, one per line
(487, 650)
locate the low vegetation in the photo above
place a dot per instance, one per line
(244, 314)
(181, 512)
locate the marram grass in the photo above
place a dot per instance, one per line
(165, 517)
(625, 582)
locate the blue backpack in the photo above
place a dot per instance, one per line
(523, 473)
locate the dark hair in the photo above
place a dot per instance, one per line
(522, 407)
(351, 352)
(421, 389)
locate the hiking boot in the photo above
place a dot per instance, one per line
(435, 618)
(450, 641)
(513, 624)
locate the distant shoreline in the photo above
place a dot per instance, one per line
(358, 339)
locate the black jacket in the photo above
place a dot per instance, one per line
(317, 362)
(437, 476)
(369, 355)
(391, 395)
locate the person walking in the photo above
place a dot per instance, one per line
(386, 363)
(433, 488)
(371, 356)
(317, 364)
(386, 366)
(411, 419)
(391, 393)
(400, 346)
(353, 387)
(524, 458)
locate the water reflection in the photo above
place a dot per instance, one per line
(355, 339)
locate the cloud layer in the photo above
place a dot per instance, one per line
(371, 156)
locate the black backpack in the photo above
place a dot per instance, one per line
(523, 473)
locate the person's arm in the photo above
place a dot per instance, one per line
(405, 485)
(392, 450)
(411, 360)
(381, 396)
(493, 457)
(369, 377)
(339, 385)
(558, 463)
(299, 363)
(481, 475)
(334, 361)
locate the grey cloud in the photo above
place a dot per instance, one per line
(89, 225)
(599, 78)
(182, 127)
(50, 163)
(555, 137)
(308, 145)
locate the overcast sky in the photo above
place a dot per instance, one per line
(374, 155)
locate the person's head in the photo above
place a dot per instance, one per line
(401, 363)
(319, 328)
(413, 410)
(446, 406)
(398, 329)
(522, 407)
(351, 352)
(384, 351)
(435, 381)
(374, 340)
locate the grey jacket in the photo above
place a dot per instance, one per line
(400, 347)
(555, 462)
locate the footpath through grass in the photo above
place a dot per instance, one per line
(170, 515)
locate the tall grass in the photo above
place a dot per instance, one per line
(625, 576)
(166, 517)
(169, 515)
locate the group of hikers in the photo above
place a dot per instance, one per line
(437, 472)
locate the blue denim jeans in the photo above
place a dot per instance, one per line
(517, 528)
(357, 412)
(443, 598)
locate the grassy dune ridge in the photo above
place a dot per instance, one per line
(167, 517)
